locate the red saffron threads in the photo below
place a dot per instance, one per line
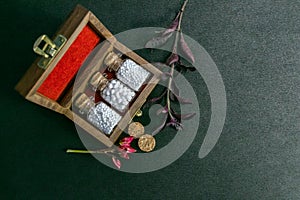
(68, 66)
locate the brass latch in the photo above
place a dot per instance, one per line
(138, 113)
(47, 48)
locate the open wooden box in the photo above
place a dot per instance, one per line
(31, 83)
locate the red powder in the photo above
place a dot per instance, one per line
(67, 67)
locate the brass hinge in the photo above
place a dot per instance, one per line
(47, 48)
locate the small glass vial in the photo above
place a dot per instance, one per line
(127, 71)
(117, 94)
(100, 115)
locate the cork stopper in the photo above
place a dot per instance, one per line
(84, 103)
(113, 61)
(98, 81)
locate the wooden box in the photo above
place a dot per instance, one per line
(30, 84)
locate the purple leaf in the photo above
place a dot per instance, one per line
(174, 122)
(179, 117)
(185, 49)
(181, 99)
(172, 59)
(117, 162)
(173, 25)
(184, 116)
(163, 110)
(161, 126)
(155, 99)
(158, 41)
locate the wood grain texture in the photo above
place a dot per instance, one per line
(34, 73)
(35, 76)
(65, 48)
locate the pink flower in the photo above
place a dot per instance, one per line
(128, 149)
(117, 162)
(125, 142)
(125, 145)
(123, 154)
(124, 149)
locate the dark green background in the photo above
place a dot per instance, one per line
(256, 46)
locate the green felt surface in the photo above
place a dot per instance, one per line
(256, 46)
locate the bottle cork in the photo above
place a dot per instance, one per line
(98, 81)
(84, 103)
(113, 61)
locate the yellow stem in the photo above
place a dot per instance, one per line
(77, 151)
(105, 151)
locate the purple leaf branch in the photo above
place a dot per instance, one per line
(173, 59)
(172, 118)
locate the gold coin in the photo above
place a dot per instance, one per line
(147, 143)
(136, 129)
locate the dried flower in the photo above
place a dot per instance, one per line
(125, 142)
(117, 162)
(122, 151)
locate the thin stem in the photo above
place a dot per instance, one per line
(181, 14)
(179, 26)
(168, 93)
(175, 52)
(103, 151)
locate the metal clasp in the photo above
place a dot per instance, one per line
(47, 48)
(138, 113)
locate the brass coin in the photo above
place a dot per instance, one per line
(136, 129)
(147, 143)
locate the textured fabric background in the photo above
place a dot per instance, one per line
(256, 46)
